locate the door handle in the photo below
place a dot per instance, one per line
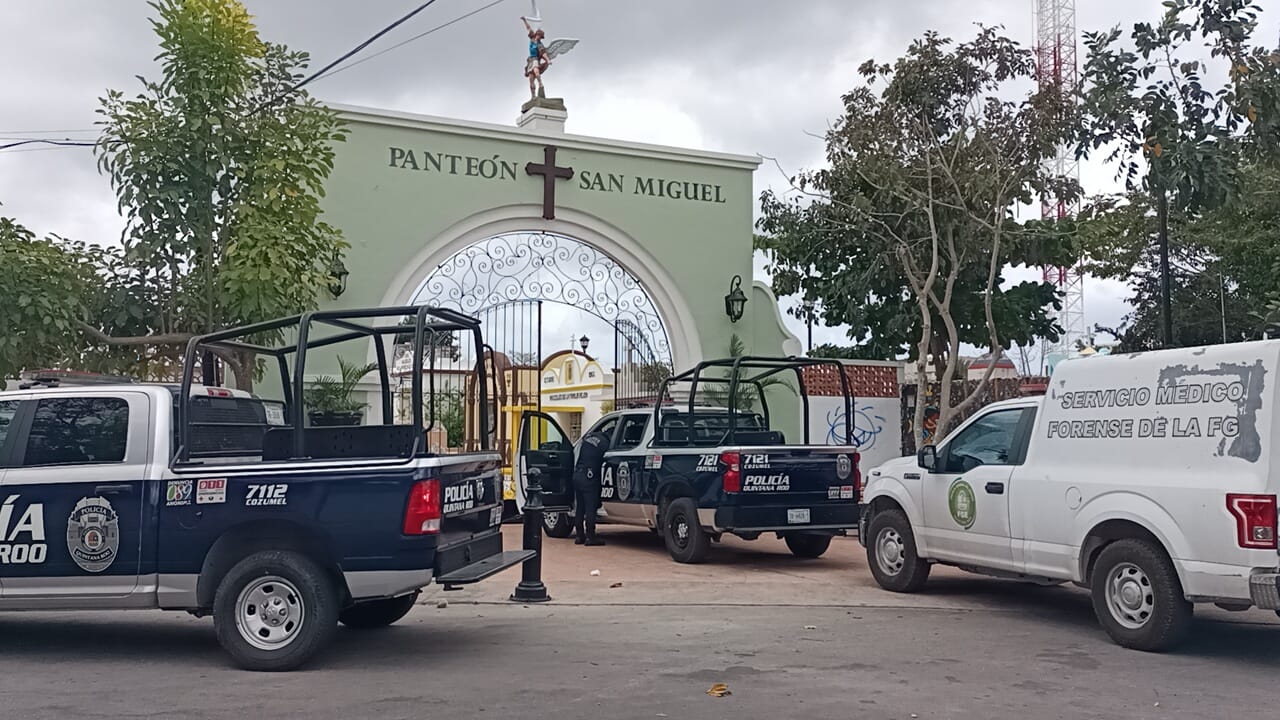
(113, 489)
(995, 488)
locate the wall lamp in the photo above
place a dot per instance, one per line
(337, 276)
(735, 302)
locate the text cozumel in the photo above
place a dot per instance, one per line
(499, 169)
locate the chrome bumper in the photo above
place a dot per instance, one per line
(1264, 589)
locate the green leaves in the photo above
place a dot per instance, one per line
(43, 289)
(1151, 113)
(219, 180)
(1212, 151)
(925, 167)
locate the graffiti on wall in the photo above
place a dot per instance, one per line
(867, 426)
(876, 430)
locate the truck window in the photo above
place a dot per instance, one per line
(988, 441)
(605, 426)
(8, 409)
(632, 432)
(78, 431)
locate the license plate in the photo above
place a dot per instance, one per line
(797, 516)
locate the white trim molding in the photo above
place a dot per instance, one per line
(791, 344)
(391, 118)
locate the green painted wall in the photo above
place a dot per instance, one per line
(404, 184)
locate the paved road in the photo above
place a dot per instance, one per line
(968, 648)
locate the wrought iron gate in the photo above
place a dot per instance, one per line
(638, 370)
(506, 278)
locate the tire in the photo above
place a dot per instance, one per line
(807, 545)
(297, 589)
(558, 525)
(1137, 596)
(685, 538)
(892, 555)
(378, 613)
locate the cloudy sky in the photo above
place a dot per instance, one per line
(744, 76)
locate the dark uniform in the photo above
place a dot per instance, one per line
(586, 486)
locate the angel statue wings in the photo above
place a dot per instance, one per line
(540, 55)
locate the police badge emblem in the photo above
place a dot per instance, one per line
(93, 534)
(624, 481)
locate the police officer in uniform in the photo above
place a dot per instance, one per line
(586, 486)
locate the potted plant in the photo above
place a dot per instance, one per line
(329, 400)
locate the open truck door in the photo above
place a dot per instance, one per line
(544, 445)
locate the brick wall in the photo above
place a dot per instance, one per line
(865, 381)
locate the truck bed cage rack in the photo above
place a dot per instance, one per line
(769, 367)
(425, 319)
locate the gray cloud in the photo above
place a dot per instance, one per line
(745, 76)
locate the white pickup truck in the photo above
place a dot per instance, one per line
(1147, 478)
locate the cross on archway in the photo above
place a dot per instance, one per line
(550, 173)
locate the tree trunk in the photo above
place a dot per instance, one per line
(1166, 303)
(242, 367)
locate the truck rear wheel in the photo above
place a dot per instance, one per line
(558, 525)
(1137, 596)
(685, 538)
(807, 545)
(378, 613)
(891, 553)
(275, 610)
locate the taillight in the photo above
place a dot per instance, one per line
(858, 480)
(1255, 520)
(422, 516)
(733, 472)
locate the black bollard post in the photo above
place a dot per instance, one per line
(531, 589)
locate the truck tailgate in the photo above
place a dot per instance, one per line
(791, 489)
(804, 475)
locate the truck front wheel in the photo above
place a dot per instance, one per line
(891, 553)
(275, 610)
(686, 540)
(807, 545)
(1137, 596)
(378, 613)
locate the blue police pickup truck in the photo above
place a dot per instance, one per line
(218, 502)
(693, 472)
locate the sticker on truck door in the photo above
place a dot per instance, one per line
(624, 480)
(962, 503)
(93, 534)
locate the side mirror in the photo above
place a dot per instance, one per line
(927, 458)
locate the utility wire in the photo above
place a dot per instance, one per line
(347, 55)
(66, 143)
(419, 36)
(294, 88)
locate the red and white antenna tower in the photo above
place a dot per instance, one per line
(1057, 69)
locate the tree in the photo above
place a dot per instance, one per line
(525, 358)
(451, 413)
(43, 287)
(1223, 264)
(1173, 139)
(906, 235)
(749, 392)
(653, 374)
(219, 169)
